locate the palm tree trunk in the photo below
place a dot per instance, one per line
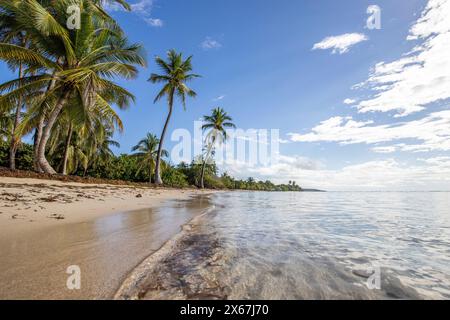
(202, 178)
(37, 140)
(66, 149)
(39, 130)
(43, 163)
(158, 179)
(14, 140)
(150, 173)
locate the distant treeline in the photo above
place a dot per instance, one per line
(128, 168)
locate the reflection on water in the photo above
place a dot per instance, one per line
(320, 245)
(33, 266)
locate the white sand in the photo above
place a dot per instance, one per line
(30, 204)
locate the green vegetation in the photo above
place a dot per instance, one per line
(65, 93)
(132, 168)
(147, 154)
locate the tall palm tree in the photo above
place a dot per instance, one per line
(176, 73)
(147, 153)
(73, 64)
(216, 123)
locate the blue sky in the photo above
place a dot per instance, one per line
(257, 61)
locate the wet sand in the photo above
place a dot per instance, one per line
(106, 247)
(188, 267)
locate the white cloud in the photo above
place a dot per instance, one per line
(342, 43)
(349, 101)
(154, 22)
(432, 132)
(420, 77)
(283, 167)
(443, 162)
(209, 43)
(142, 8)
(284, 141)
(387, 174)
(219, 98)
(387, 149)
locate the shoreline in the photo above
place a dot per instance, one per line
(133, 287)
(108, 232)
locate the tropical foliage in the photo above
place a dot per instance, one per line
(65, 97)
(66, 75)
(130, 168)
(147, 152)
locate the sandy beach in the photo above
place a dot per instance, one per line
(30, 204)
(106, 230)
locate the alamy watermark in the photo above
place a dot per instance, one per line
(374, 280)
(74, 280)
(74, 19)
(252, 147)
(374, 20)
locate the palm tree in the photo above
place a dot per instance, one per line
(76, 64)
(6, 123)
(147, 153)
(103, 152)
(176, 73)
(99, 4)
(217, 123)
(11, 32)
(82, 134)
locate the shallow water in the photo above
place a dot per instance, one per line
(256, 245)
(325, 245)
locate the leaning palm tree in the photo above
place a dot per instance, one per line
(176, 73)
(147, 153)
(72, 64)
(216, 123)
(12, 33)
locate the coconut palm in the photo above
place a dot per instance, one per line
(102, 152)
(147, 153)
(6, 123)
(216, 124)
(80, 135)
(100, 3)
(11, 32)
(175, 75)
(72, 64)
